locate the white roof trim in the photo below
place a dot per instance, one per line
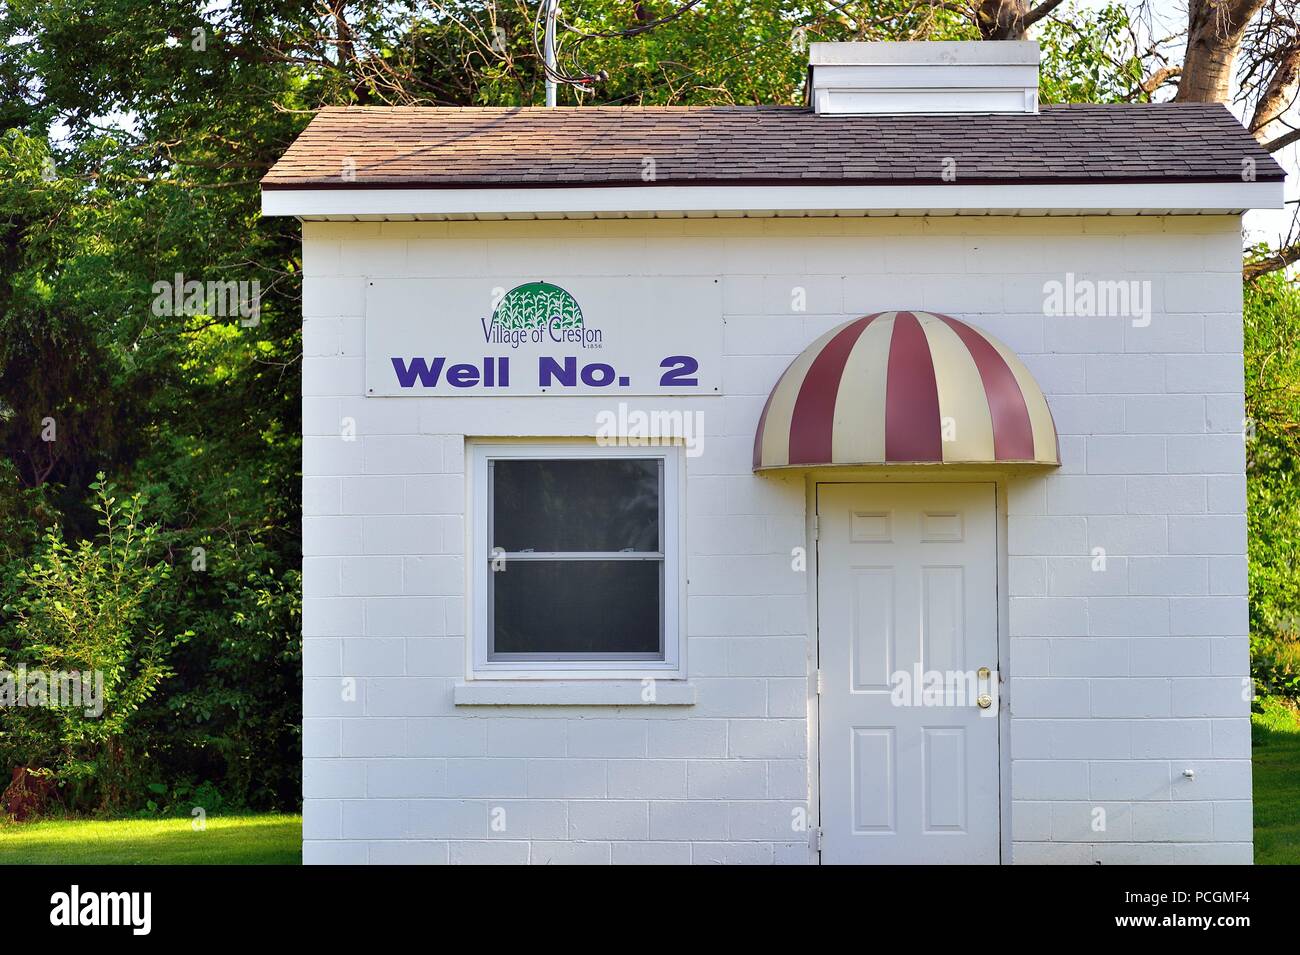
(635, 201)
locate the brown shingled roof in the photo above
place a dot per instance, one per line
(444, 147)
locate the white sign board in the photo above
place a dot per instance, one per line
(640, 335)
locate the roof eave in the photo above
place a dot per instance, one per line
(1094, 198)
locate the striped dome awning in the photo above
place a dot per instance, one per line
(905, 388)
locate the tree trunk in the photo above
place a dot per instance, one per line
(1278, 97)
(1215, 30)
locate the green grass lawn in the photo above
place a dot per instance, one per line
(1275, 737)
(227, 840)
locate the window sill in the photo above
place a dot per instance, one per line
(572, 693)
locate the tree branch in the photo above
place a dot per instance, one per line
(1283, 141)
(1040, 11)
(1272, 263)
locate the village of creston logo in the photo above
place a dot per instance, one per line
(538, 312)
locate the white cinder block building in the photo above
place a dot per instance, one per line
(854, 483)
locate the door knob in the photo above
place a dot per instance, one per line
(984, 701)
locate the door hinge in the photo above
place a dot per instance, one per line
(821, 683)
(816, 836)
(817, 527)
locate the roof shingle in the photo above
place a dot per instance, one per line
(445, 147)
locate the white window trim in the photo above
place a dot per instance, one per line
(672, 667)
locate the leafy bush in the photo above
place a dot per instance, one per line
(90, 608)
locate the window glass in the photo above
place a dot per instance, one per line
(590, 607)
(576, 504)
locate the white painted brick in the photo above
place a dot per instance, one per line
(510, 819)
(1092, 821)
(404, 617)
(1128, 616)
(495, 778)
(647, 779)
(1226, 494)
(1088, 739)
(604, 737)
(563, 778)
(1210, 616)
(1206, 292)
(1126, 454)
(1131, 697)
(373, 656)
(1168, 576)
(374, 737)
(1084, 495)
(652, 853)
(571, 853)
(1161, 414)
(432, 656)
(1206, 454)
(1049, 779)
(1125, 374)
(372, 495)
(1165, 495)
(489, 853)
(787, 779)
(334, 778)
(1203, 374)
(408, 853)
(1048, 617)
(609, 819)
(332, 616)
(1213, 779)
(768, 656)
(1173, 822)
(693, 738)
(696, 820)
(766, 738)
(322, 819)
(1089, 656)
(1171, 739)
(1047, 697)
(1207, 535)
(321, 495)
(1090, 414)
(1210, 696)
(1031, 821)
(1230, 656)
(1087, 576)
(1030, 657)
(536, 736)
(370, 576)
(1129, 779)
(418, 778)
(1170, 656)
(401, 535)
(435, 494)
(375, 818)
(402, 454)
(1128, 535)
(1231, 737)
(330, 536)
(446, 736)
(1233, 821)
(1221, 853)
(1033, 536)
(321, 737)
(726, 779)
(322, 657)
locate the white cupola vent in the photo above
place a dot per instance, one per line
(991, 76)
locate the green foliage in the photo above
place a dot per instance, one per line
(90, 608)
(1088, 57)
(1272, 429)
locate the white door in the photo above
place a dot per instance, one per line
(907, 599)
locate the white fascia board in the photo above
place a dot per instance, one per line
(1090, 198)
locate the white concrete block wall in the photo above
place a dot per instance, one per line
(1122, 679)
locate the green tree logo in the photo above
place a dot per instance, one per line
(538, 305)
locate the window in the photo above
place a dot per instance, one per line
(575, 560)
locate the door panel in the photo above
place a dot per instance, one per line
(907, 614)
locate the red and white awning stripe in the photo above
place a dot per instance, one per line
(905, 388)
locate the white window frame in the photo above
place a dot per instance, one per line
(479, 551)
